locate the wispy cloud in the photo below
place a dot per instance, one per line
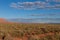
(50, 14)
(36, 5)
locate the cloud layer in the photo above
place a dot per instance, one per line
(37, 5)
(53, 0)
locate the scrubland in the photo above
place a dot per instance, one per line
(29, 31)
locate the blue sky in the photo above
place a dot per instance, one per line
(29, 9)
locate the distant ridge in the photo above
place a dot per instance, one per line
(20, 20)
(36, 20)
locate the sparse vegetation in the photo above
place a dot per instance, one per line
(30, 31)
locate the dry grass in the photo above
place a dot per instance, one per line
(20, 31)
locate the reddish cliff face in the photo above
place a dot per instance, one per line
(2, 20)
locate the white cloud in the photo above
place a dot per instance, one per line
(56, 0)
(14, 5)
(34, 5)
(52, 0)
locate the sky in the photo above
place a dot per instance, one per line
(31, 10)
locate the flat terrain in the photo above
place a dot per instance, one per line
(32, 31)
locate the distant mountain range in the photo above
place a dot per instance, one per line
(32, 20)
(36, 20)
